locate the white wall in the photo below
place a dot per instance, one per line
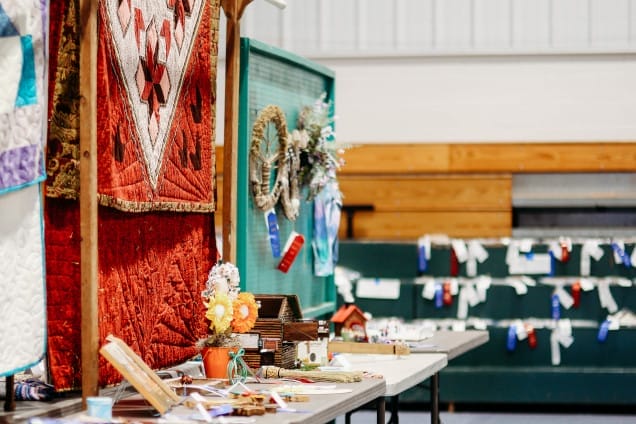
(486, 99)
(465, 70)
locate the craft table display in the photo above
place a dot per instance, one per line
(539, 351)
(22, 117)
(322, 408)
(156, 130)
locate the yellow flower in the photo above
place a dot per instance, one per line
(245, 313)
(219, 312)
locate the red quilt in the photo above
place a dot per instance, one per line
(152, 269)
(152, 265)
(156, 72)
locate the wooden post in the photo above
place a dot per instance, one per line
(88, 196)
(233, 10)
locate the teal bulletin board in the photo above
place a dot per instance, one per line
(270, 76)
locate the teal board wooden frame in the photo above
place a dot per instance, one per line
(271, 76)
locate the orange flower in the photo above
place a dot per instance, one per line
(245, 313)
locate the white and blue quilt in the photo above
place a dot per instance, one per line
(22, 120)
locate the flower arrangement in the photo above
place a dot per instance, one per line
(315, 140)
(228, 310)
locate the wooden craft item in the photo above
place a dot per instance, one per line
(142, 378)
(290, 397)
(249, 410)
(300, 331)
(332, 376)
(197, 385)
(378, 348)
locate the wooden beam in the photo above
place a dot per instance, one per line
(509, 157)
(392, 158)
(543, 157)
(233, 10)
(88, 197)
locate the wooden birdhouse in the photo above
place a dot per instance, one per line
(279, 327)
(351, 319)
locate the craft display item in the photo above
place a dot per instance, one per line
(280, 327)
(290, 198)
(274, 234)
(373, 348)
(292, 248)
(263, 161)
(269, 372)
(319, 154)
(228, 310)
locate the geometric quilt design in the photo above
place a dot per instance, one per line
(157, 76)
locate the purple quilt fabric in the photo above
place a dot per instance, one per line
(19, 166)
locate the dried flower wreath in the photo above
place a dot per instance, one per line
(285, 160)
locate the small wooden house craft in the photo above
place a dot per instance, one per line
(280, 327)
(351, 319)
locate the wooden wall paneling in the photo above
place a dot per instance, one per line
(543, 157)
(411, 225)
(429, 193)
(396, 159)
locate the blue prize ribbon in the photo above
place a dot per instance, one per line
(552, 264)
(602, 331)
(511, 340)
(274, 235)
(422, 263)
(622, 254)
(556, 307)
(439, 296)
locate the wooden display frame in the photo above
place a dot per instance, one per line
(142, 378)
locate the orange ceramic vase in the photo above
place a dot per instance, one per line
(215, 360)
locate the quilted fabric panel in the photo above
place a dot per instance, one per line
(62, 150)
(21, 93)
(62, 236)
(152, 268)
(22, 295)
(156, 74)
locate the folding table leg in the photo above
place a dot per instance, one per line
(381, 410)
(395, 402)
(435, 398)
(9, 400)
